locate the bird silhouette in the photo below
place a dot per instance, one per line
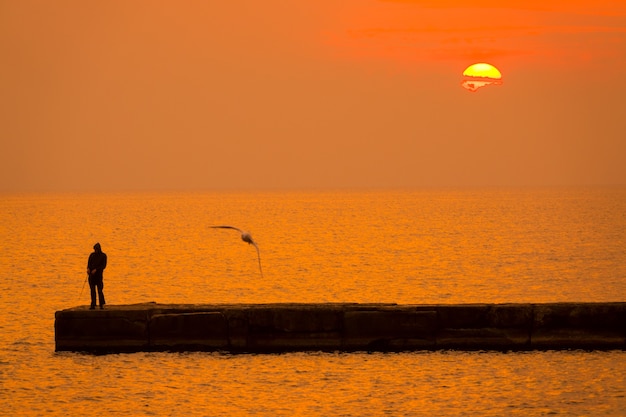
(246, 237)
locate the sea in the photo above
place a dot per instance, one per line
(421, 246)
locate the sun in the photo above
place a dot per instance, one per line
(482, 70)
(480, 75)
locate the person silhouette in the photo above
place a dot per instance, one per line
(95, 267)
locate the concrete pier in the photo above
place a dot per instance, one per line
(341, 327)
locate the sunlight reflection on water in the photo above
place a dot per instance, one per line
(419, 383)
(437, 246)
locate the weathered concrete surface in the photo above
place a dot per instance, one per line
(585, 325)
(341, 326)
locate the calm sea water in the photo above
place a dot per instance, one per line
(430, 246)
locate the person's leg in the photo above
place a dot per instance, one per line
(92, 288)
(101, 293)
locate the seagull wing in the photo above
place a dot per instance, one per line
(227, 227)
(249, 240)
(259, 256)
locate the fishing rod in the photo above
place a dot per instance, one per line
(84, 282)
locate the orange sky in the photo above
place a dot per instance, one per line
(193, 95)
(561, 33)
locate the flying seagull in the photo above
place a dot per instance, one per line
(246, 237)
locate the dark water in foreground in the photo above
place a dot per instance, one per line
(436, 246)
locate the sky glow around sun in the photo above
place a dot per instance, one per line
(310, 94)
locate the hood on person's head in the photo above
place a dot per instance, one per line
(97, 247)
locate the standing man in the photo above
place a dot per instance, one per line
(95, 266)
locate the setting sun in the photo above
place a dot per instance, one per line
(480, 75)
(482, 70)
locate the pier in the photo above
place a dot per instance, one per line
(284, 327)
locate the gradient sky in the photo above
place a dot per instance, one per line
(122, 95)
